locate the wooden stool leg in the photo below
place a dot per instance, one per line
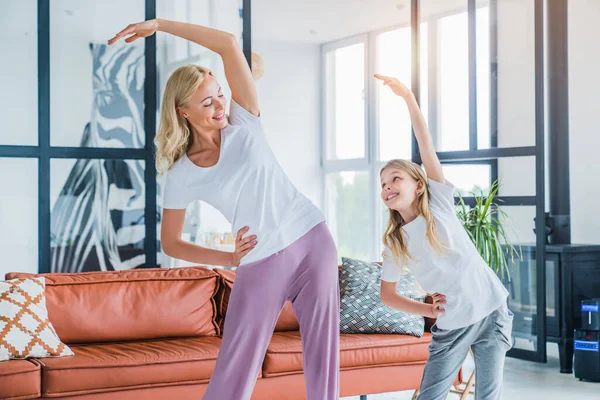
(468, 387)
(464, 393)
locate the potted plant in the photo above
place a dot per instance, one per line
(486, 230)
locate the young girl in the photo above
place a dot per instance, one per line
(425, 235)
(287, 253)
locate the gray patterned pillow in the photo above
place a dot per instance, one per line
(361, 308)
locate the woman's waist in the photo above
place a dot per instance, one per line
(263, 219)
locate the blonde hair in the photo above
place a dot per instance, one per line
(173, 137)
(394, 237)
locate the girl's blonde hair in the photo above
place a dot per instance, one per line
(173, 137)
(394, 237)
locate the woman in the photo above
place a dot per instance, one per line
(287, 253)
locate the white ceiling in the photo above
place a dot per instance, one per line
(319, 21)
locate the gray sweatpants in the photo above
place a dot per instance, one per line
(490, 339)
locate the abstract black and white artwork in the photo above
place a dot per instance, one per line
(98, 218)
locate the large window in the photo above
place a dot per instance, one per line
(366, 125)
(345, 90)
(478, 74)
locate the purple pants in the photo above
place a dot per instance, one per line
(306, 273)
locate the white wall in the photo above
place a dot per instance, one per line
(290, 108)
(584, 108)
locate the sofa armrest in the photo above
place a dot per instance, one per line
(429, 321)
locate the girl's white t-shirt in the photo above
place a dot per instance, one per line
(248, 186)
(472, 289)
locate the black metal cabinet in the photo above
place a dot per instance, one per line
(572, 275)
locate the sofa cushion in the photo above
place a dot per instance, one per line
(287, 319)
(19, 379)
(361, 308)
(284, 354)
(117, 366)
(94, 307)
(25, 330)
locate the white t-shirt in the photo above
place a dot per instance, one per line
(248, 186)
(472, 289)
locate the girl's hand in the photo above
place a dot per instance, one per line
(397, 87)
(139, 30)
(437, 307)
(242, 246)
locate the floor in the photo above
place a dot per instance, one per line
(524, 380)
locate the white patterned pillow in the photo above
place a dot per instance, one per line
(361, 308)
(25, 330)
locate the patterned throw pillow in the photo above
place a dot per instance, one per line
(361, 308)
(25, 330)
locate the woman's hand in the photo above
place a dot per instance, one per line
(397, 87)
(437, 307)
(242, 246)
(139, 30)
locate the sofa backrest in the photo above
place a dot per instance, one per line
(93, 307)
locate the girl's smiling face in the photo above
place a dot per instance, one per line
(399, 190)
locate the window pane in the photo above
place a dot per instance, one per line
(483, 67)
(424, 66)
(394, 58)
(518, 224)
(97, 215)
(393, 119)
(453, 133)
(97, 96)
(516, 74)
(19, 215)
(516, 176)
(345, 102)
(348, 215)
(19, 73)
(465, 177)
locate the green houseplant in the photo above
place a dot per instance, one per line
(486, 230)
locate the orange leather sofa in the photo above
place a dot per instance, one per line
(155, 334)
